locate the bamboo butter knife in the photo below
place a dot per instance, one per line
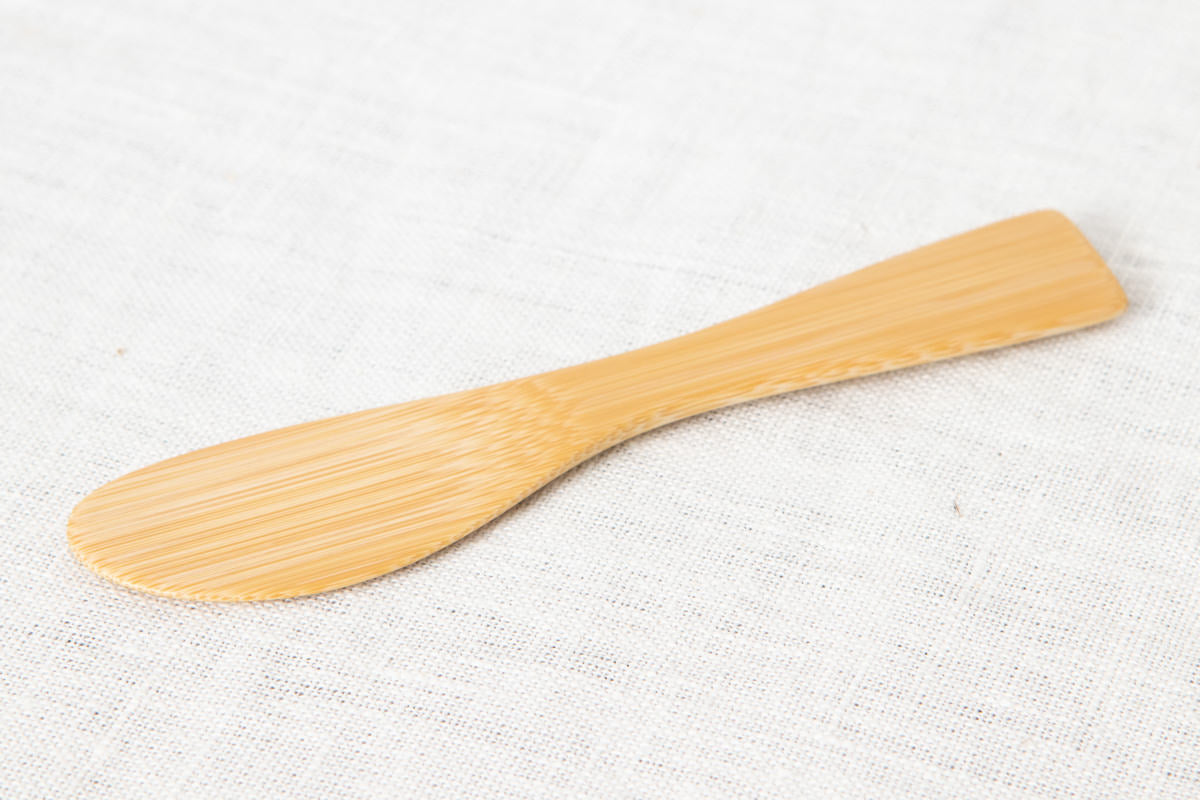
(329, 503)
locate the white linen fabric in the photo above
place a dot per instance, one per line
(974, 579)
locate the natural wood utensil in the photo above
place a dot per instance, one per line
(329, 503)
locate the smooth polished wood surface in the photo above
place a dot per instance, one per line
(325, 504)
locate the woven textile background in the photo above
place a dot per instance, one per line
(975, 579)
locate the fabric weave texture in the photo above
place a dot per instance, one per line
(973, 579)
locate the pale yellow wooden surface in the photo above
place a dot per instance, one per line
(329, 503)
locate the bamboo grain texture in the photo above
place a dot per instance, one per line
(326, 504)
